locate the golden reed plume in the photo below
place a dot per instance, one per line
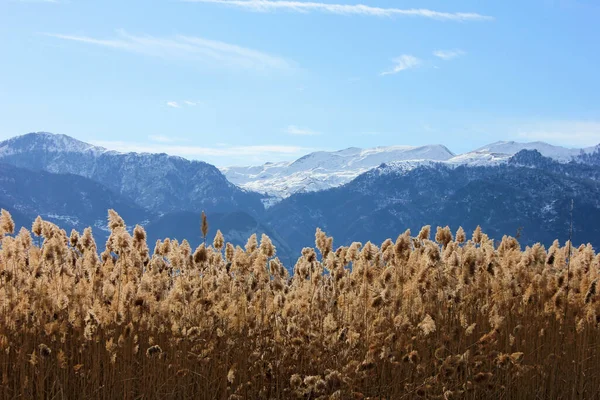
(452, 318)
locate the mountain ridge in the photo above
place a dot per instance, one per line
(525, 190)
(281, 180)
(158, 182)
(534, 195)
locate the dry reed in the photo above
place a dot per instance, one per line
(447, 319)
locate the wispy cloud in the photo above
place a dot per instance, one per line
(221, 154)
(449, 54)
(185, 47)
(403, 63)
(344, 9)
(179, 104)
(295, 130)
(566, 133)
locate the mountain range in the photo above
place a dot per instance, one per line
(323, 170)
(159, 182)
(353, 194)
(530, 194)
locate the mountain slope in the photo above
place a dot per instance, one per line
(71, 201)
(159, 182)
(385, 201)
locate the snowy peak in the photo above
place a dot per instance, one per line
(158, 182)
(323, 170)
(500, 152)
(47, 142)
(510, 148)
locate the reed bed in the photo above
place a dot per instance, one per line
(449, 318)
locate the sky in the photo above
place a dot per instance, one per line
(242, 82)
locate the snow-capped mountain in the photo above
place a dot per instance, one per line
(374, 193)
(157, 182)
(558, 153)
(529, 193)
(49, 143)
(323, 170)
(500, 152)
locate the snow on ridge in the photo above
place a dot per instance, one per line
(396, 167)
(479, 158)
(49, 142)
(319, 170)
(510, 148)
(323, 170)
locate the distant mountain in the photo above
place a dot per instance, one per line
(499, 187)
(501, 152)
(590, 157)
(529, 191)
(75, 202)
(557, 153)
(323, 170)
(158, 182)
(71, 201)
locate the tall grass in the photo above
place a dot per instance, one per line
(445, 319)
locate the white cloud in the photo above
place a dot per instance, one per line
(295, 130)
(344, 9)
(566, 133)
(403, 63)
(448, 54)
(179, 104)
(186, 47)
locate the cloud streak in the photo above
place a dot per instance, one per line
(403, 63)
(449, 54)
(179, 104)
(297, 131)
(164, 145)
(344, 9)
(185, 47)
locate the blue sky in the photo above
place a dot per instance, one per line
(246, 81)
